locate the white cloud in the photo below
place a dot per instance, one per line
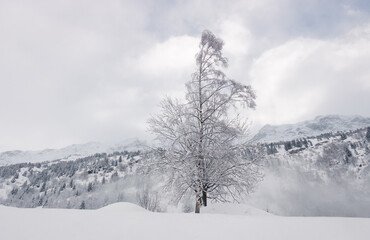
(237, 37)
(306, 77)
(76, 71)
(171, 57)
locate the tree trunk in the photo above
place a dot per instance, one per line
(204, 198)
(200, 164)
(197, 204)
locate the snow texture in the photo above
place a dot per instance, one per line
(127, 221)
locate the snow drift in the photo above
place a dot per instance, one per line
(127, 221)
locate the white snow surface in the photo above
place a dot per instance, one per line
(233, 209)
(127, 221)
(315, 127)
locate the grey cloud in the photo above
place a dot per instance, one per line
(308, 77)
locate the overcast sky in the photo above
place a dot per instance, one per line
(79, 71)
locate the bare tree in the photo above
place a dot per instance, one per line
(148, 200)
(200, 135)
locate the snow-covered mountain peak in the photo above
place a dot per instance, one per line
(70, 152)
(321, 124)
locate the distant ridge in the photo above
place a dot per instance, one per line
(70, 152)
(317, 126)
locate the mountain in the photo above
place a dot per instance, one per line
(71, 152)
(95, 181)
(325, 175)
(317, 126)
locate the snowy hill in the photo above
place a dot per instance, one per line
(320, 125)
(127, 221)
(71, 152)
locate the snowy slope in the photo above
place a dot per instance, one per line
(71, 152)
(320, 125)
(96, 180)
(127, 221)
(328, 175)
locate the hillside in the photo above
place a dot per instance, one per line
(325, 175)
(90, 182)
(317, 126)
(71, 152)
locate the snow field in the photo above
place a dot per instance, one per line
(128, 221)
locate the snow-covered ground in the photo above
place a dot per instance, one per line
(128, 221)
